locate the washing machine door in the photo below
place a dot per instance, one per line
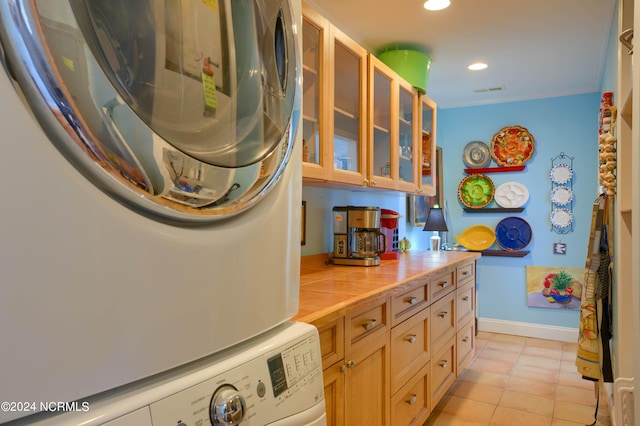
(182, 109)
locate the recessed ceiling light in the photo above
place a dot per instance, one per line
(477, 66)
(436, 4)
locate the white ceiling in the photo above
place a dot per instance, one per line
(534, 49)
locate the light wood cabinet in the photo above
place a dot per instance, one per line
(334, 103)
(465, 315)
(389, 358)
(356, 362)
(394, 152)
(443, 370)
(361, 120)
(428, 167)
(367, 384)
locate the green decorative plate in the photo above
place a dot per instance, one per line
(476, 191)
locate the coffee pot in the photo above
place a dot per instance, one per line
(357, 239)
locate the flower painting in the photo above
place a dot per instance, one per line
(554, 287)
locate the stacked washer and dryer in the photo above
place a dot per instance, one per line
(150, 152)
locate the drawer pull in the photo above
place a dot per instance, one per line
(443, 364)
(466, 298)
(444, 284)
(351, 363)
(442, 314)
(412, 338)
(369, 324)
(411, 300)
(465, 340)
(465, 273)
(412, 400)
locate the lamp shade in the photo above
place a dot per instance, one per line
(435, 220)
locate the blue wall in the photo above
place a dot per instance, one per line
(559, 125)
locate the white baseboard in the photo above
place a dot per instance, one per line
(550, 332)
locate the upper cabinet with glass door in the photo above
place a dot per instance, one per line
(334, 103)
(361, 119)
(427, 142)
(393, 126)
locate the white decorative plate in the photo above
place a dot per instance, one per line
(511, 194)
(561, 173)
(561, 195)
(561, 218)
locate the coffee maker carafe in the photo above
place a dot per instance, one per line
(357, 239)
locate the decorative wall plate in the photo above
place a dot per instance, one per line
(476, 191)
(512, 146)
(476, 237)
(561, 195)
(513, 233)
(511, 195)
(561, 173)
(561, 218)
(476, 154)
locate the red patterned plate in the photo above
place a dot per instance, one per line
(512, 146)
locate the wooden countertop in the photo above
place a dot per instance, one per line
(325, 289)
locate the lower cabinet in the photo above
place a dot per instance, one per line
(389, 359)
(367, 384)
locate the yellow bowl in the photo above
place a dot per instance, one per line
(476, 237)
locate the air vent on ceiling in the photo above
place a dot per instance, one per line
(490, 89)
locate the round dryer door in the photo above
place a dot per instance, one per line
(189, 106)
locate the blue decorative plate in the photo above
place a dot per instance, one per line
(513, 233)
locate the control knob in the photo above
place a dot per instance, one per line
(227, 406)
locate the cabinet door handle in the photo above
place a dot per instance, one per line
(411, 300)
(442, 314)
(466, 298)
(351, 363)
(365, 182)
(369, 324)
(413, 399)
(465, 340)
(343, 368)
(412, 338)
(443, 364)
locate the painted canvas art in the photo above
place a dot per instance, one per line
(554, 287)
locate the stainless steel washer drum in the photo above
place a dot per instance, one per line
(184, 110)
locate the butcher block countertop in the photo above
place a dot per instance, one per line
(325, 289)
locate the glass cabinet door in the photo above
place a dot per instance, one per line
(349, 101)
(428, 140)
(381, 162)
(407, 125)
(312, 45)
(347, 134)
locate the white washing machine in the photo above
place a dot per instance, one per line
(151, 174)
(274, 379)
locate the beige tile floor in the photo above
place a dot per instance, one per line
(521, 381)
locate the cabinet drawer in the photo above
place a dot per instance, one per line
(465, 303)
(369, 319)
(409, 302)
(465, 272)
(443, 371)
(465, 344)
(409, 348)
(442, 284)
(411, 405)
(331, 331)
(443, 321)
